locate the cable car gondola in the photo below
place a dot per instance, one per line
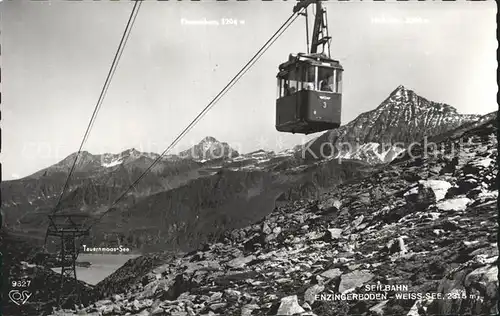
(310, 85)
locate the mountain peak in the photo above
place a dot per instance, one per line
(82, 156)
(209, 148)
(403, 117)
(403, 99)
(399, 91)
(131, 152)
(82, 153)
(85, 160)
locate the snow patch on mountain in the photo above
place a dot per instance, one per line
(371, 152)
(286, 153)
(112, 163)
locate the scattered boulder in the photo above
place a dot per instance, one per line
(310, 294)
(420, 196)
(290, 306)
(329, 206)
(240, 262)
(397, 246)
(439, 187)
(357, 221)
(457, 204)
(354, 279)
(379, 308)
(365, 198)
(450, 165)
(467, 184)
(333, 234)
(266, 229)
(332, 273)
(485, 281)
(247, 310)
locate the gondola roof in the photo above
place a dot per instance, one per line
(312, 59)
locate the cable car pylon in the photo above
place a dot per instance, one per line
(72, 227)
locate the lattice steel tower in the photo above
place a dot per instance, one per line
(69, 227)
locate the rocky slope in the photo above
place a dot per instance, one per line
(379, 135)
(424, 223)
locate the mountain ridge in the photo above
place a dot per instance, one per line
(402, 118)
(103, 177)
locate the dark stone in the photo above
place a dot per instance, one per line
(411, 176)
(418, 162)
(394, 246)
(228, 279)
(447, 226)
(146, 279)
(205, 247)
(182, 284)
(472, 194)
(274, 308)
(254, 262)
(470, 169)
(446, 242)
(450, 166)
(314, 208)
(396, 214)
(197, 257)
(452, 192)
(466, 185)
(329, 211)
(422, 199)
(250, 245)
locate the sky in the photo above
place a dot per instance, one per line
(56, 55)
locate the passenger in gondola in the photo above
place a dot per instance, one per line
(289, 90)
(308, 86)
(325, 84)
(309, 79)
(286, 89)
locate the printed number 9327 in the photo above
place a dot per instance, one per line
(226, 21)
(21, 283)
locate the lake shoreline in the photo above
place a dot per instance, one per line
(92, 268)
